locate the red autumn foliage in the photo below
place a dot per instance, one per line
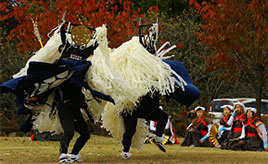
(154, 8)
(236, 31)
(121, 21)
(234, 27)
(180, 45)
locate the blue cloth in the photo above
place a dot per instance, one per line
(32, 84)
(37, 72)
(191, 92)
(26, 126)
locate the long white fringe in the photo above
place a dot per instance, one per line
(103, 78)
(142, 71)
(43, 121)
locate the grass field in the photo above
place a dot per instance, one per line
(107, 150)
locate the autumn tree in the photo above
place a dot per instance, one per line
(10, 63)
(181, 31)
(236, 32)
(169, 8)
(17, 32)
(119, 17)
(213, 83)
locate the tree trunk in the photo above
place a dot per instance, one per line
(258, 101)
(259, 87)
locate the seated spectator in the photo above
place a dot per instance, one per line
(224, 128)
(254, 134)
(236, 122)
(198, 131)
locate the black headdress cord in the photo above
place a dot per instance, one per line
(140, 33)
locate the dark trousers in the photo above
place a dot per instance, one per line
(71, 119)
(225, 137)
(148, 109)
(193, 137)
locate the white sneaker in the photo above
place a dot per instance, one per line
(64, 158)
(75, 158)
(126, 155)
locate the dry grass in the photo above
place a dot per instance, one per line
(107, 150)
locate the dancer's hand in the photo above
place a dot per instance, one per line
(201, 141)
